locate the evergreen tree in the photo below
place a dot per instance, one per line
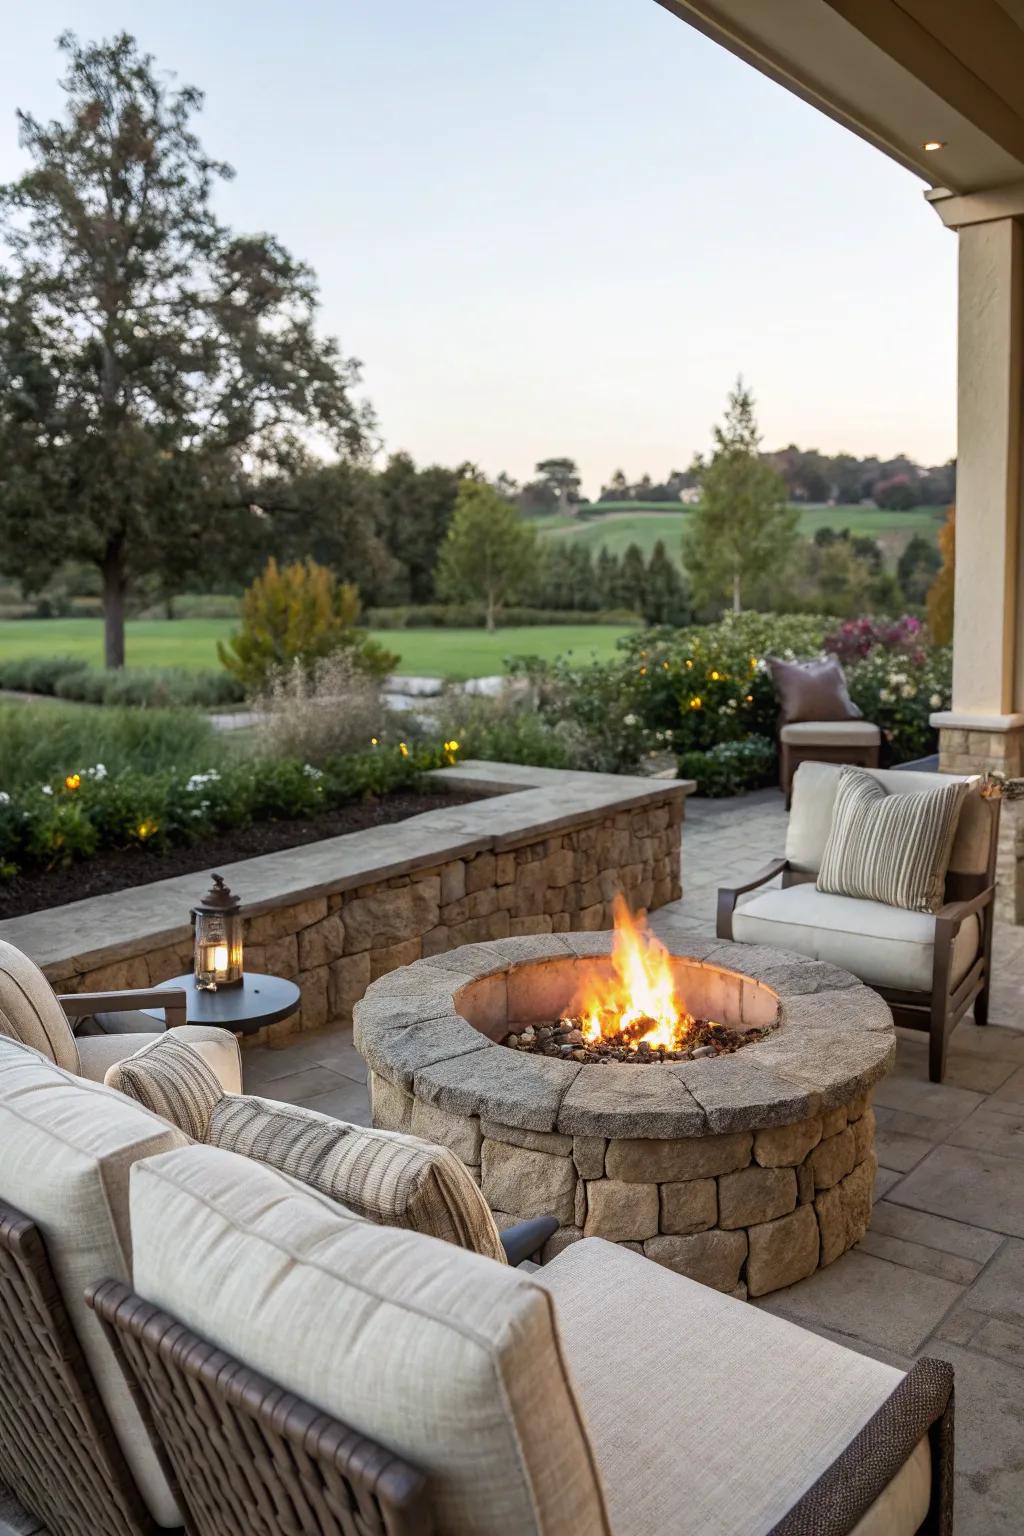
(607, 578)
(664, 598)
(742, 529)
(632, 579)
(917, 568)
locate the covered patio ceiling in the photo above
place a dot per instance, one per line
(900, 73)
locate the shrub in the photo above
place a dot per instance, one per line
(39, 742)
(466, 616)
(318, 713)
(731, 767)
(505, 729)
(298, 613)
(899, 692)
(66, 677)
(84, 812)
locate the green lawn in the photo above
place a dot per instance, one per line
(622, 526)
(192, 643)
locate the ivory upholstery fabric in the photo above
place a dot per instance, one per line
(831, 733)
(814, 792)
(450, 1360)
(884, 946)
(171, 1078)
(890, 848)
(29, 1009)
(709, 1417)
(389, 1178)
(67, 1147)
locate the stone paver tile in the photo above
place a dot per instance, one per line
(991, 1040)
(871, 1299)
(343, 1104)
(898, 1151)
(292, 1087)
(999, 1292)
(885, 1178)
(936, 1232)
(332, 1095)
(930, 1261)
(917, 1096)
(323, 1048)
(981, 1189)
(902, 1123)
(994, 1127)
(989, 1494)
(964, 1068)
(1012, 1090)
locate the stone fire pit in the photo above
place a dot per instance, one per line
(746, 1172)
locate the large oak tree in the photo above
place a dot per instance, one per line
(153, 365)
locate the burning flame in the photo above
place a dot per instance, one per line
(638, 1003)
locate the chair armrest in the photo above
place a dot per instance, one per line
(526, 1238)
(954, 913)
(728, 894)
(922, 1404)
(173, 1000)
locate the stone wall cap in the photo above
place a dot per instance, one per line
(534, 802)
(836, 1040)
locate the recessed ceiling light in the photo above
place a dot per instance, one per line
(932, 144)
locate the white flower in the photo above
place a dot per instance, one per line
(885, 695)
(909, 691)
(47, 789)
(5, 798)
(936, 701)
(629, 720)
(311, 772)
(200, 780)
(98, 772)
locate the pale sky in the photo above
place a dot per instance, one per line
(559, 226)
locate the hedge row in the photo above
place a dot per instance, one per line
(68, 677)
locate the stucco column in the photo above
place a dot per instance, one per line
(988, 634)
(985, 726)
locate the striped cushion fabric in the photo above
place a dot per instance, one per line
(172, 1080)
(388, 1178)
(891, 848)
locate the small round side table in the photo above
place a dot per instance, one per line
(243, 1009)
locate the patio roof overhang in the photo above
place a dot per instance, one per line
(903, 74)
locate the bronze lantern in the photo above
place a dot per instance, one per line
(217, 924)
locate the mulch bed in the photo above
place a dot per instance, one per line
(34, 891)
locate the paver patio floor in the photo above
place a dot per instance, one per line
(941, 1270)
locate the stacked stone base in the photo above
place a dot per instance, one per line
(748, 1212)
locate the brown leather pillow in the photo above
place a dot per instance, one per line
(812, 690)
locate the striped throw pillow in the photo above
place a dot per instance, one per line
(890, 848)
(384, 1176)
(172, 1080)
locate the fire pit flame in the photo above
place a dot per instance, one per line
(638, 1004)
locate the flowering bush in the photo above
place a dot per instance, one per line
(90, 811)
(856, 639)
(899, 693)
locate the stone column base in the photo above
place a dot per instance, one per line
(964, 750)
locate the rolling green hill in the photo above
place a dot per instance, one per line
(620, 524)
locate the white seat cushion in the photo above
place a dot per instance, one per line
(709, 1417)
(831, 733)
(884, 946)
(814, 793)
(67, 1146)
(449, 1359)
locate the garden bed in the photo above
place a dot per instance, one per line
(120, 870)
